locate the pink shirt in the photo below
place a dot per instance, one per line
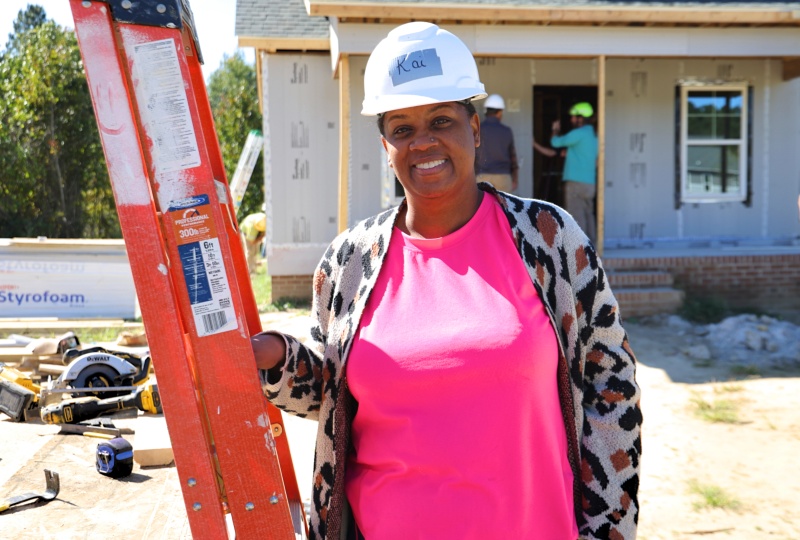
(459, 432)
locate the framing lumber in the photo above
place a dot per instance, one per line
(344, 140)
(601, 152)
(259, 81)
(271, 44)
(550, 14)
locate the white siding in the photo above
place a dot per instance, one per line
(640, 153)
(366, 152)
(640, 149)
(301, 128)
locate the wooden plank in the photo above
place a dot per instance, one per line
(285, 44)
(516, 14)
(591, 41)
(153, 447)
(17, 354)
(344, 139)
(260, 81)
(601, 152)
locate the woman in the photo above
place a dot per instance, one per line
(469, 371)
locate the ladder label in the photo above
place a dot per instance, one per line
(165, 108)
(203, 268)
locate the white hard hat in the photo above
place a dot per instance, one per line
(495, 101)
(418, 63)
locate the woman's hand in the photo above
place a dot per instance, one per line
(269, 350)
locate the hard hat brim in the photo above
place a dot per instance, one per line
(384, 104)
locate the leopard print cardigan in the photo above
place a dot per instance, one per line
(596, 370)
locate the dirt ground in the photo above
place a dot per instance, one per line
(754, 460)
(749, 466)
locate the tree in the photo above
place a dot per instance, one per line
(53, 179)
(27, 19)
(233, 95)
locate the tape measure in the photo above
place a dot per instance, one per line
(114, 458)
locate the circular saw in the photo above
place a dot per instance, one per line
(98, 372)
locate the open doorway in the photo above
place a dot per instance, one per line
(550, 103)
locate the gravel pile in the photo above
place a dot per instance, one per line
(756, 341)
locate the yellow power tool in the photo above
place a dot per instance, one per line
(145, 398)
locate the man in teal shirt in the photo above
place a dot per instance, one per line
(580, 168)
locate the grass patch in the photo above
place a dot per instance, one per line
(712, 496)
(290, 304)
(704, 310)
(712, 309)
(705, 363)
(85, 334)
(728, 389)
(740, 370)
(93, 335)
(262, 287)
(719, 411)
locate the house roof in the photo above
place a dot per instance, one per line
(292, 21)
(277, 18)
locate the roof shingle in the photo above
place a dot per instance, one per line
(278, 19)
(289, 19)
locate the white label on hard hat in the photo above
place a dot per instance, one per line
(415, 65)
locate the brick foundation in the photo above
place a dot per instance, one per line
(768, 282)
(291, 287)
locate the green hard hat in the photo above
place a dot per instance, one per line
(581, 109)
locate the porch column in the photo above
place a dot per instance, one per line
(344, 139)
(601, 151)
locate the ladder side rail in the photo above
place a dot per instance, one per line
(217, 165)
(149, 264)
(243, 278)
(223, 357)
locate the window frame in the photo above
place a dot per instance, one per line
(742, 142)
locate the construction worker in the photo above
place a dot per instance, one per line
(467, 366)
(497, 161)
(253, 228)
(580, 167)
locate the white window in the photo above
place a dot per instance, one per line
(714, 143)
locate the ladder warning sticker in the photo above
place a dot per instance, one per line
(160, 89)
(203, 268)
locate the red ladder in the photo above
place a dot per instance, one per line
(142, 63)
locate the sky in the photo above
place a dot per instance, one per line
(214, 20)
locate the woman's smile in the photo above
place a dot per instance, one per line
(430, 164)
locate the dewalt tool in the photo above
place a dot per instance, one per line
(18, 392)
(95, 371)
(53, 487)
(100, 372)
(145, 398)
